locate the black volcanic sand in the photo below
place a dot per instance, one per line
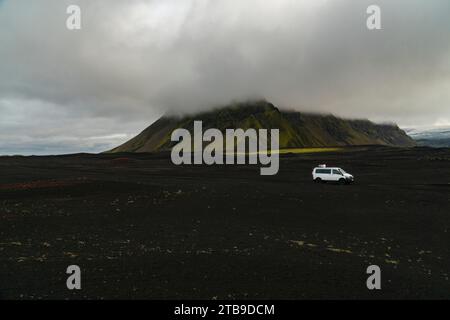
(140, 227)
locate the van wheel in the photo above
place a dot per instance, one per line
(342, 181)
(318, 180)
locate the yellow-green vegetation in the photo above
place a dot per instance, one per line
(300, 150)
(309, 150)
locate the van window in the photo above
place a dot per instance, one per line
(323, 171)
(337, 172)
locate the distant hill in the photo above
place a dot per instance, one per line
(438, 137)
(297, 129)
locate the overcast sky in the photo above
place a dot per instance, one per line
(88, 90)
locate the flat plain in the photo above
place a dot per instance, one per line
(140, 227)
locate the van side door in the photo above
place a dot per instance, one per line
(336, 175)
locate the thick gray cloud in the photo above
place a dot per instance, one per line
(87, 90)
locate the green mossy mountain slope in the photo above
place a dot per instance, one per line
(297, 130)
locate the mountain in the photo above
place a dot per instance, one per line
(297, 129)
(438, 137)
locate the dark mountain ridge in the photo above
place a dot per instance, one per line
(297, 129)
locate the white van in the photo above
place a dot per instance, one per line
(323, 173)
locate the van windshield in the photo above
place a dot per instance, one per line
(342, 171)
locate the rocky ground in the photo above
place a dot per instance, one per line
(140, 227)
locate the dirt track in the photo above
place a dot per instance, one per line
(140, 227)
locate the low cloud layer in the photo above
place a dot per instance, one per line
(85, 91)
